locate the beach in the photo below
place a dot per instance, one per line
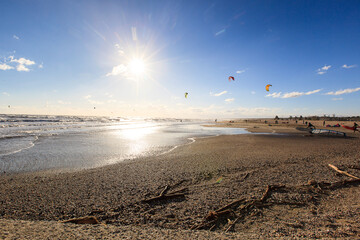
(280, 181)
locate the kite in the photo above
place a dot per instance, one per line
(231, 78)
(186, 94)
(267, 87)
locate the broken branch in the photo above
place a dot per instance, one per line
(342, 172)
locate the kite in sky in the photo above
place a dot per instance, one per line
(267, 87)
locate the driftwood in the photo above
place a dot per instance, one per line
(211, 221)
(342, 172)
(82, 220)
(231, 204)
(164, 191)
(163, 195)
(212, 218)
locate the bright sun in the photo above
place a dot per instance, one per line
(137, 66)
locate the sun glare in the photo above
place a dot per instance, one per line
(137, 66)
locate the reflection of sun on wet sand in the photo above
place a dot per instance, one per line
(271, 186)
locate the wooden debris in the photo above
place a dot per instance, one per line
(163, 195)
(342, 172)
(266, 194)
(335, 185)
(232, 224)
(231, 204)
(164, 191)
(82, 220)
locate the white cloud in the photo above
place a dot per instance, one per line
(323, 69)
(119, 69)
(312, 92)
(299, 94)
(274, 95)
(292, 94)
(253, 92)
(87, 97)
(337, 99)
(218, 94)
(220, 32)
(229, 100)
(240, 71)
(41, 65)
(22, 63)
(346, 66)
(6, 94)
(22, 68)
(16, 37)
(345, 91)
(4, 67)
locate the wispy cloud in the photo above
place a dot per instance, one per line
(337, 99)
(41, 65)
(218, 94)
(5, 67)
(292, 94)
(274, 95)
(220, 32)
(323, 69)
(348, 66)
(117, 70)
(345, 91)
(298, 94)
(16, 37)
(230, 100)
(6, 94)
(253, 92)
(240, 71)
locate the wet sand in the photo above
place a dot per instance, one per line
(216, 171)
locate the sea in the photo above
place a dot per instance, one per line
(31, 143)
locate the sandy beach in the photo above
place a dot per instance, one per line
(280, 185)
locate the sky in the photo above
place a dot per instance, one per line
(139, 58)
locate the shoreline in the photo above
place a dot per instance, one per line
(246, 163)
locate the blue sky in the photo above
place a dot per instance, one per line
(138, 58)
